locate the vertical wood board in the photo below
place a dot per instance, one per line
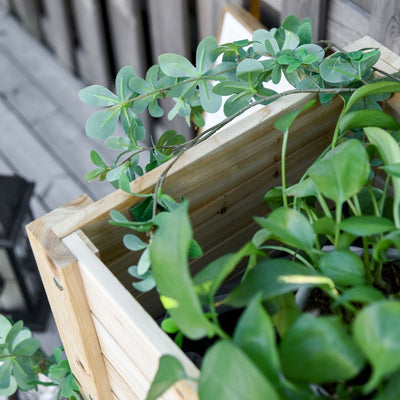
(58, 32)
(92, 55)
(63, 284)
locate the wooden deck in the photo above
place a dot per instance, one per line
(42, 121)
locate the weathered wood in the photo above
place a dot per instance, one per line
(366, 5)
(209, 14)
(92, 55)
(314, 9)
(346, 22)
(58, 34)
(29, 13)
(63, 284)
(127, 36)
(385, 23)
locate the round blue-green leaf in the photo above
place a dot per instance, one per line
(134, 243)
(376, 329)
(97, 95)
(122, 80)
(249, 70)
(344, 267)
(227, 373)
(176, 65)
(337, 70)
(319, 350)
(102, 124)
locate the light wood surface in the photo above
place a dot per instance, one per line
(61, 278)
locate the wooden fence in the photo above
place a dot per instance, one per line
(95, 38)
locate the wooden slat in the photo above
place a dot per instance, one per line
(385, 23)
(29, 13)
(92, 55)
(346, 22)
(127, 36)
(209, 13)
(367, 5)
(169, 27)
(61, 278)
(58, 34)
(314, 9)
(130, 327)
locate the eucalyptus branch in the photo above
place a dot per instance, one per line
(391, 76)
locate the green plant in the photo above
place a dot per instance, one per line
(23, 363)
(278, 350)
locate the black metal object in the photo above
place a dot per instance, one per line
(15, 213)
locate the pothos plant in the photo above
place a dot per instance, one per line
(332, 230)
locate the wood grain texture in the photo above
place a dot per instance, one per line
(61, 277)
(314, 9)
(385, 23)
(92, 56)
(58, 33)
(130, 339)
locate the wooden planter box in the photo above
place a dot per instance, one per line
(107, 328)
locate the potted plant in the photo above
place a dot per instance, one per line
(277, 348)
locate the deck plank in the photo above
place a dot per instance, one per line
(42, 134)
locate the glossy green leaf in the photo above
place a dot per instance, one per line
(255, 335)
(374, 88)
(389, 151)
(392, 169)
(319, 350)
(366, 225)
(242, 380)
(391, 389)
(195, 250)
(176, 65)
(275, 277)
(170, 371)
(284, 122)
(289, 226)
(360, 294)
(208, 280)
(344, 267)
(169, 251)
(324, 226)
(376, 329)
(97, 95)
(102, 124)
(169, 138)
(366, 118)
(332, 173)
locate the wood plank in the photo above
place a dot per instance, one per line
(127, 322)
(167, 37)
(314, 9)
(346, 22)
(29, 13)
(385, 23)
(61, 277)
(121, 389)
(209, 14)
(57, 30)
(53, 186)
(125, 16)
(92, 57)
(366, 5)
